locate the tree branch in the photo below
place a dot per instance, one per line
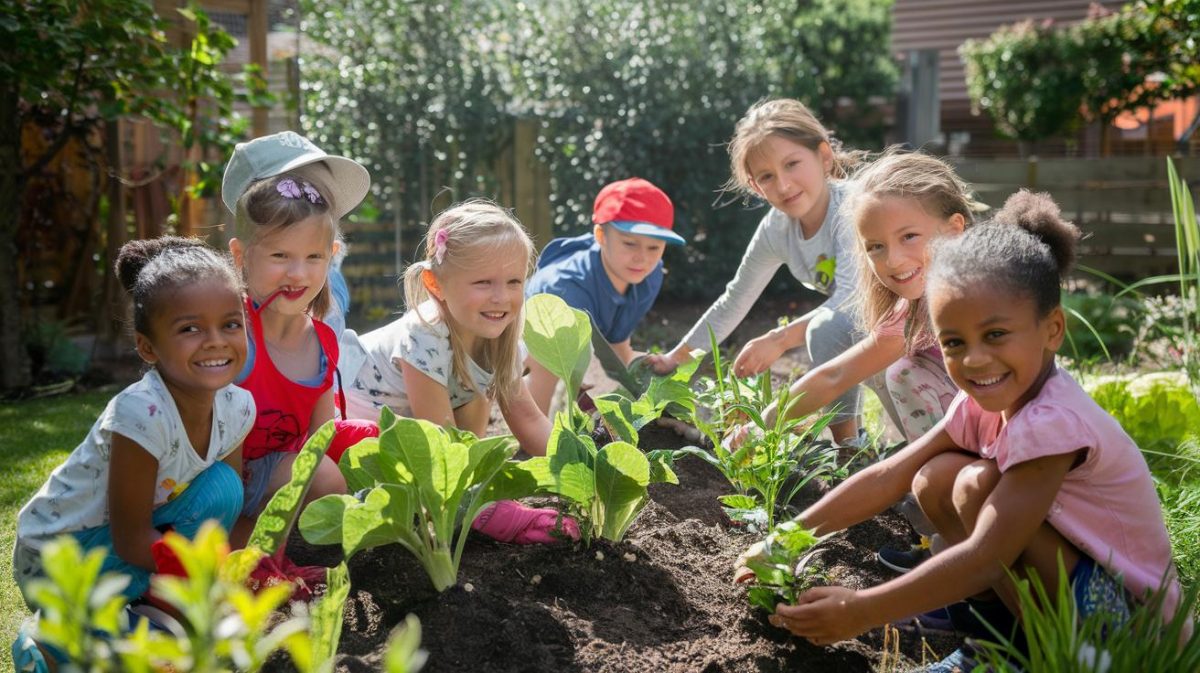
(69, 128)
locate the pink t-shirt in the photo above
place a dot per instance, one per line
(895, 323)
(1107, 506)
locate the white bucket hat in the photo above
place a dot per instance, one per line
(268, 156)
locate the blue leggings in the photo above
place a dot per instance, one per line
(215, 494)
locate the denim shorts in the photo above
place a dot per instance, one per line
(256, 474)
(1098, 591)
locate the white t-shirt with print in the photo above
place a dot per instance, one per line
(75, 497)
(423, 341)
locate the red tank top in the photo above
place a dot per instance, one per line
(284, 406)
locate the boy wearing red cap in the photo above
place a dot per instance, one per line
(614, 273)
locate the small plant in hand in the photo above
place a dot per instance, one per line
(782, 566)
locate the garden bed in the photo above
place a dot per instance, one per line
(661, 600)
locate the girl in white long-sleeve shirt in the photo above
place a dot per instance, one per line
(781, 153)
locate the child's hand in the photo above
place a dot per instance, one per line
(685, 430)
(661, 363)
(737, 436)
(741, 567)
(824, 615)
(758, 355)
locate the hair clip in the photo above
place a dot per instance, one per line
(439, 244)
(289, 190)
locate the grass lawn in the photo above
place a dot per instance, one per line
(35, 437)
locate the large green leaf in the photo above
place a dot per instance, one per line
(565, 447)
(386, 516)
(576, 482)
(622, 473)
(277, 517)
(511, 482)
(360, 465)
(321, 521)
(558, 337)
(436, 465)
(662, 462)
(617, 414)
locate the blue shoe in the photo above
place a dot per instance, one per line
(958, 662)
(904, 560)
(26, 656)
(936, 620)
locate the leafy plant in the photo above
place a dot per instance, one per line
(781, 566)
(419, 487)
(775, 460)
(1058, 640)
(1157, 409)
(559, 337)
(604, 488)
(222, 626)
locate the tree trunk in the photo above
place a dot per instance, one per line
(14, 364)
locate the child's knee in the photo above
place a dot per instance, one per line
(828, 334)
(974, 483)
(226, 492)
(933, 484)
(327, 481)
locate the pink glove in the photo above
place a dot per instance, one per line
(510, 521)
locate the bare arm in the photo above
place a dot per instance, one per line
(823, 384)
(234, 459)
(877, 487)
(132, 477)
(428, 398)
(624, 351)
(541, 384)
(323, 411)
(1010, 516)
(527, 423)
(1007, 522)
(474, 415)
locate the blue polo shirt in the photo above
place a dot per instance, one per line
(571, 268)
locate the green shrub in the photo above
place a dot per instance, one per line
(1157, 409)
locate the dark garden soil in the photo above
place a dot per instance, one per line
(662, 600)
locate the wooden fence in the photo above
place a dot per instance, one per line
(380, 250)
(1123, 204)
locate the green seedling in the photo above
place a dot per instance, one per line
(782, 566)
(605, 488)
(419, 488)
(221, 625)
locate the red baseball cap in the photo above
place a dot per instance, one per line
(636, 206)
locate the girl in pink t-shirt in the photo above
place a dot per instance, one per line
(1024, 470)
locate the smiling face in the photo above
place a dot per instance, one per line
(627, 258)
(996, 348)
(485, 294)
(791, 177)
(292, 262)
(895, 233)
(196, 337)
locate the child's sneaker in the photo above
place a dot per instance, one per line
(959, 661)
(905, 560)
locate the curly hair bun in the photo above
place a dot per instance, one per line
(1038, 214)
